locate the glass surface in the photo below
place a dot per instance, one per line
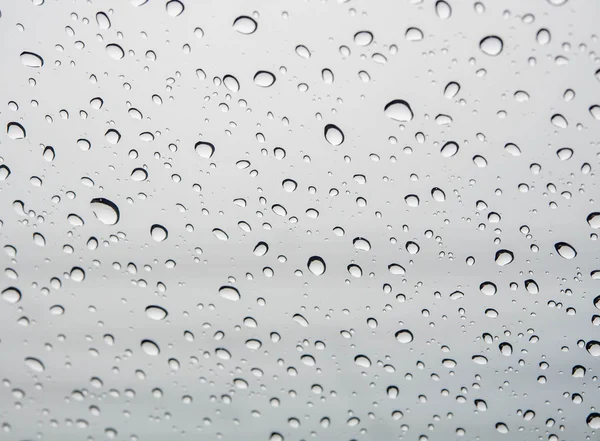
(296, 220)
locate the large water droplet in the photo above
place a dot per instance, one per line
(231, 83)
(333, 135)
(593, 420)
(565, 250)
(30, 59)
(595, 112)
(362, 361)
(34, 364)
(115, 51)
(106, 211)
(158, 233)
(150, 348)
(593, 220)
(504, 257)
(404, 336)
(593, 347)
(316, 265)
(156, 312)
(11, 295)
(398, 110)
(491, 45)
(229, 293)
(443, 9)
(14, 130)
(363, 38)
(204, 149)
(175, 8)
(449, 149)
(245, 25)
(413, 34)
(263, 78)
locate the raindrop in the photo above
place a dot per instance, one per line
(414, 34)
(404, 336)
(565, 250)
(593, 220)
(231, 83)
(559, 121)
(491, 45)
(175, 8)
(150, 348)
(34, 364)
(543, 36)
(14, 130)
(11, 295)
(30, 59)
(595, 112)
(316, 265)
(103, 21)
(361, 244)
(488, 288)
(261, 249)
(398, 110)
(139, 174)
(451, 90)
(333, 135)
(362, 361)
(105, 211)
(112, 136)
(531, 286)
(156, 312)
(443, 9)
(115, 51)
(158, 233)
(396, 269)
(229, 293)
(263, 78)
(204, 149)
(449, 149)
(593, 420)
(593, 347)
(245, 25)
(504, 257)
(363, 38)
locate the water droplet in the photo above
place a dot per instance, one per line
(175, 8)
(4, 172)
(158, 233)
(593, 220)
(327, 76)
(112, 136)
(220, 234)
(363, 38)
(156, 312)
(404, 336)
(593, 420)
(229, 293)
(139, 174)
(150, 348)
(355, 270)
(438, 194)
(302, 51)
(543, 36)
(361, 244)
(414, 34)
(253, 344)
(504, 257)
(449, 149)
(595, 112)
(298, 318)
(502, 428)
(565, 250)
(559, 121)
(531, 286)
(14, 130)
(77, 274)
(289, 185)
(103, 21)
(443, 9)
(245, 25)
(593, 347)
(451, 90)
(204, 149)
(488, 288)
(398, 110)
(261, 249)
(491, 45)
(479, 359)
(231, 83)
(333, 135)
(362, 361)
(115, 51)
(316, 265)
(396, 269)
(263, 78)
(11, 295)
(34, 364)
(105, 211)
(30, 59)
